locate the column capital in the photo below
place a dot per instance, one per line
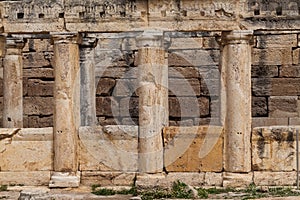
(66, 38)
(89, 42)
(14, 45)
(150, 38)
(236, 37)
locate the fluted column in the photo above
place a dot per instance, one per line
(13, 84)
(67, 109)
(153, 100)
(87, 82)
(236, 93)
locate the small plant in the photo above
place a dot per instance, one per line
(3, 188)
(181, 190)
(104, 192)
(202, 193)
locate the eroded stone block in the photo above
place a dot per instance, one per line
(275, 178)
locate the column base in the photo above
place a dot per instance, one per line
(64, 179)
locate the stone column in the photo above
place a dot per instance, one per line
(153, 100)
(236, 87)
(67, 109)
(13, 84)
(87, 82)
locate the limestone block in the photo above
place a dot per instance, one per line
(105, 86)
(286, 106)
(107, 106)
(33, 178)
(188, 106)
(209, 72)
(273, 56)
(107, 178)
(273, 148)
(215, 108)
(64, 179)
(39, 121)
(186, 43)
(193, 149)
(110, 72)
(41, 88)
(26, 149)
(38, 105)
(237, 180)
(207, 121)
(129, 107)
(266, 121)
(264, 71)
(38, 45)
(210, 87)
(275, 178)
(194, 57)
(36, 59)
(296, 56)
(98, 145)
(275, 87)
(184, 87)
(271, 41)
(259, 106)
(125, 87)
(294, 121)
(210, 43)
(38, 73)
(213, 179)
(183, 72)
(290, 71)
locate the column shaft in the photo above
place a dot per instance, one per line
(153, 100)
(87, 82)
(13, 84)
(67, 100)
(236, 74)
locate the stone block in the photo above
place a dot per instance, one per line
(107, 106)
(286, 106)
(213, 179)
(237, 180)
(275, 178)
(193, 149)
(207, 121)
(261, 71)
(110, 72)
(36, 59)
(296, 56)
(103, 121)
(273, 148)
(26, 150)
(38, 45)
(39, 121)
(210, 43)
(37, 87)
(125, 87)
(209, 72)
(294, 121)
(38, 73)
(188, 106)
(290, 71)
(105, 86)
(266, 121)
(272, 56)
(275, 86)
(210, 87)
(184, 87)
(38, 105)
(271, 41)
(98, 145)
(33, 178)
(130, 121)
(259, 107)
(186, 43)
(129, 107)
(183, 72)
(193, 58)
(215, 107)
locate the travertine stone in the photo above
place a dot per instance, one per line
(274, 148)
(12, 84)
(259, 107)
(25, 150)
(266, 41)
(193, 149)
(266, 121)
(98, 145)
(236, 100)
(275, 178)
(213, 179)
(234, 180)
(153, 100)
(64, 179)
(272, 56)
(67, 97)
(107, 178)
(33, 178)
(286, 106)
(290, 71)
(87, 82)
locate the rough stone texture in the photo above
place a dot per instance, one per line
(99, 144)
(234, 180)
(274, 149)
(265, 71)
(275, 178)
(33, 178)
(25, 150)
(265, 41)
(183, 87)
(107, 178)
(290, 71)
(272, 56)
(286, 106)
(259, 107)
(38, 105)
(193, 149)
(265, 121)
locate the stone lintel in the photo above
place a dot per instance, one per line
(14, 45)
(66, 37)
(237, 37)
(150, 38)
(64, 179)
